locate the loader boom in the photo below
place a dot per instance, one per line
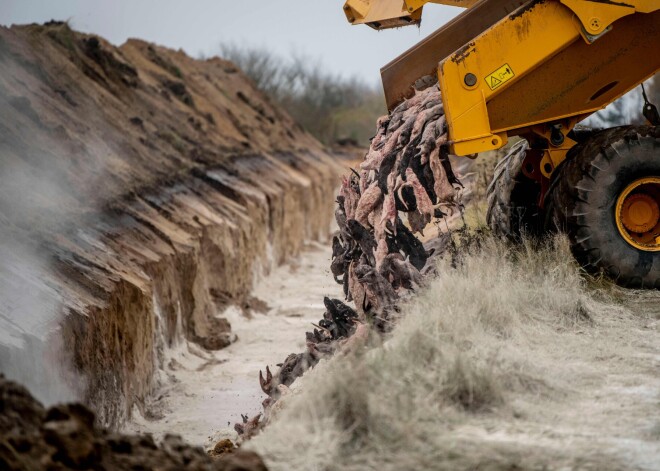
(507, 67)
(533, 69)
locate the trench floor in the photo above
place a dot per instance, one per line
(205, 393)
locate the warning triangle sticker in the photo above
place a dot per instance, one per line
(499, 77)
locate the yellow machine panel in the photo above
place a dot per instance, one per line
(542, 64)
(383, 14)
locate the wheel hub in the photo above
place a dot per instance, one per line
(638, 214)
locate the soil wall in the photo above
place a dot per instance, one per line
(152, 188)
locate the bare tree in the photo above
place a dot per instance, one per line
(329, 106)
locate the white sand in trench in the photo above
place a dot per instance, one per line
(206, 392)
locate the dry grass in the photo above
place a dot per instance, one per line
(482, 367)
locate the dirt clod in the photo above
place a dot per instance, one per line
(66, 437)
(222, 447)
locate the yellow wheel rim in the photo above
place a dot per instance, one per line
(638, 214)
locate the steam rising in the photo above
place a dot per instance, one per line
(30, 309)
(33, 202)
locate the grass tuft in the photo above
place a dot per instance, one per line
(467, 348)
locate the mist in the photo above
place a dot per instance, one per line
(35, 202)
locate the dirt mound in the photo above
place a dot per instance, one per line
(141, 191)
(65, 437)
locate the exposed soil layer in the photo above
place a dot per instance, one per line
(156, 186)
(65, 437)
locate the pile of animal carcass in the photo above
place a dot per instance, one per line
(376, 256)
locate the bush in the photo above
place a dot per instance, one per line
(329, 106)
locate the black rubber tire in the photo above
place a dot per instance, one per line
(583, 195)
(513, 210)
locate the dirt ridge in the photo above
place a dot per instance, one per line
(171, 184)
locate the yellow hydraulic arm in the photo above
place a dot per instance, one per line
(552, 62)
(534, 69)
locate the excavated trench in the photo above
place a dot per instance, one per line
(144, 196)
(142, 192)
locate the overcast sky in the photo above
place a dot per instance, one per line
(317, 28)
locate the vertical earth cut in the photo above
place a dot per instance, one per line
(152, 188)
